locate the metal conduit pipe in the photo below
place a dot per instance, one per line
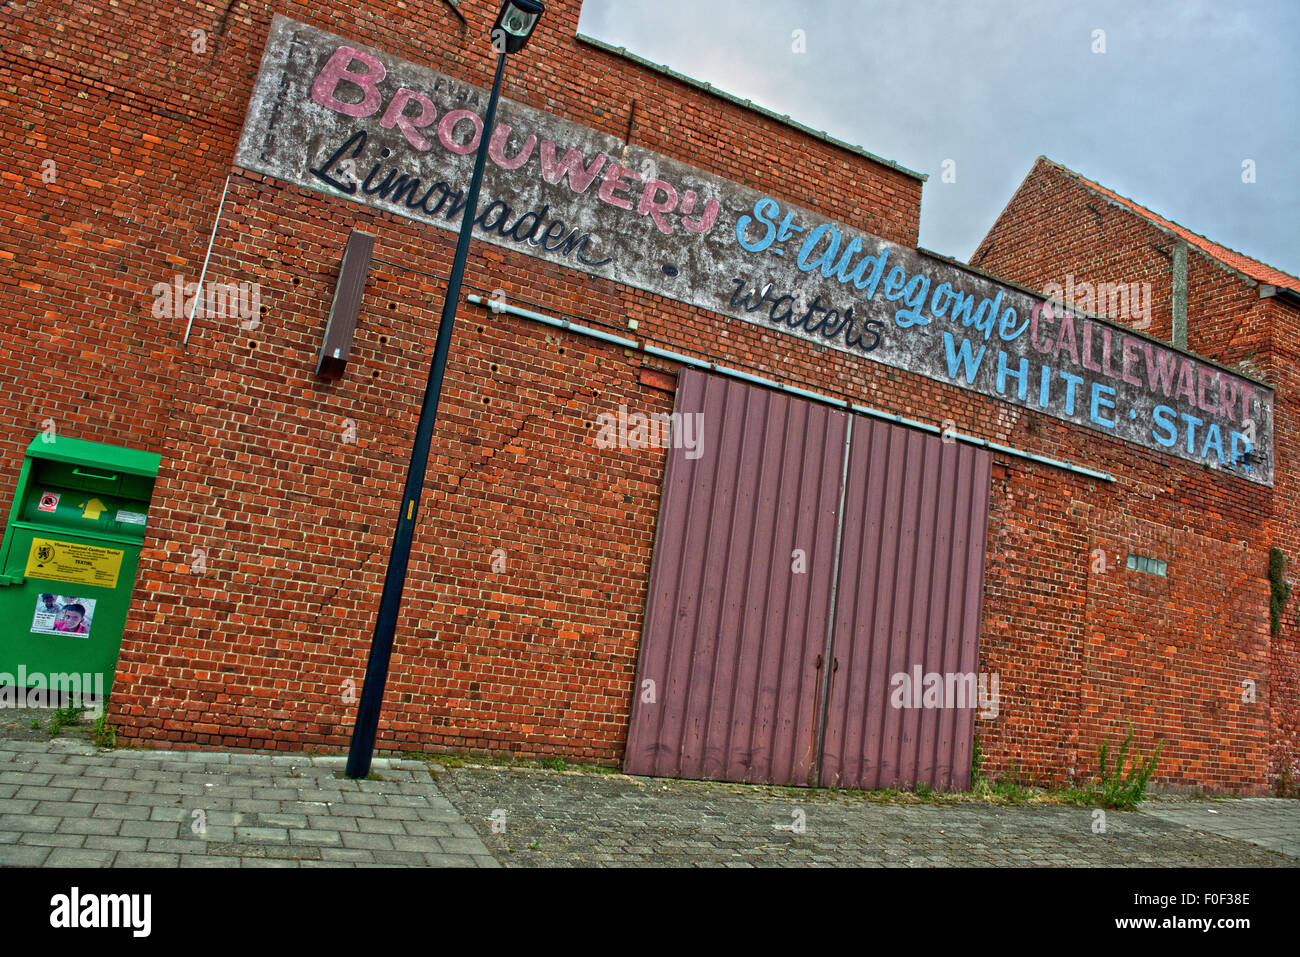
(743, 376)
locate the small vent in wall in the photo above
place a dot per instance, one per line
(1147, 566)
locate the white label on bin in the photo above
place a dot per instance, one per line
(131, 518)
(49, 502)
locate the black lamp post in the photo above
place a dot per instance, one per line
(514, 25)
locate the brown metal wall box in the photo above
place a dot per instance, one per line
(342, 325)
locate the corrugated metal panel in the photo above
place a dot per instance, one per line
(910, 589)
(733, 633)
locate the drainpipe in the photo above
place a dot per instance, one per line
(1179, 338)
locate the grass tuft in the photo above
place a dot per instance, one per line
(65, 717)
(1120, 789)
(104, 734)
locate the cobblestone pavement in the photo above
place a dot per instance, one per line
(65, 803)
(1269, 822)
(545, 818)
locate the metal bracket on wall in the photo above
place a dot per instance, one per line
(455, 8)
(206, 259)
(342, 325)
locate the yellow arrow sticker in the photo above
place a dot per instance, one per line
(93, 509)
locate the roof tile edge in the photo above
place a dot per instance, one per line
(1164, 224)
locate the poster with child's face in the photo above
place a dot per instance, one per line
(63, 615)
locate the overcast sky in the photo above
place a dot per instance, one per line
(1183, 94)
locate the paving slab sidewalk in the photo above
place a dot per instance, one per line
(1268, 822)
(64, 802)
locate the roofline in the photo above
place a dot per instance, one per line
(1291, 296)
(1118, 199)
(1129, 330)
(748, 105)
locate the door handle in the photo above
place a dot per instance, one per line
(95, 475)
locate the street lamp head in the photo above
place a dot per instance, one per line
(515, 24)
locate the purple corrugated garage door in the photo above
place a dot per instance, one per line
(727, 681)
(911, 582)
(748, 565)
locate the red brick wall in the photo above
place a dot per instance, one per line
(291, 524)
(257, 645)
(1054, 225)
(1035, 595)
(141, 128)
(1283, 362)
(1209, 631)
(295, 521)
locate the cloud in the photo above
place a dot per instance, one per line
(1184, 92)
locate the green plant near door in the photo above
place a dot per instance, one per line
(1120, 789)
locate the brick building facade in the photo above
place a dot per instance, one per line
(1215, 301)
(126, 138)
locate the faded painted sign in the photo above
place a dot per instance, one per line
(354, 122)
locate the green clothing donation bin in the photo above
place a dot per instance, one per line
(68, 562)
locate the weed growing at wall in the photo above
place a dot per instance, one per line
(63, 717)
(1011, 786)
(104, 734)
(1117, 788)
(1288, 782)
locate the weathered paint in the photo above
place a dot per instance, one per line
(1180, 295)
(336, 116)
